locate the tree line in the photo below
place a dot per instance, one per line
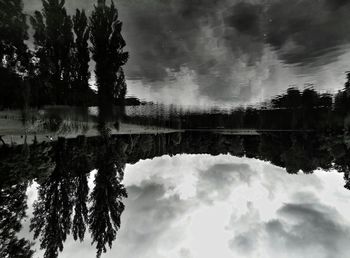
(56, 70)
(295, 109)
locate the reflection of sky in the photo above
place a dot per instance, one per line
(229, 51)
(202, 206)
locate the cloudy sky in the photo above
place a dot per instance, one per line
(230, 51)
(200, 206)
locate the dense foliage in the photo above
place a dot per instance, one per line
(57, 71)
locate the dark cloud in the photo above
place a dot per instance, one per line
(305, 31)
(213, 37)
(164, 36)
(245, 17)
(337, 3)
(222, 42)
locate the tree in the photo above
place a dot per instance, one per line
(13, 33)
(81, 165)
(14, 56)
(122, 87)
(53, 39)
(81, 74)
(107, 51)
(53, 209)
(13, 202)
(106, 197)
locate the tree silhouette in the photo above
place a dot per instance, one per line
(13, 32)
(107, 51)
(81, 165)
(53, 209)
(122, 87)
(14, 55)
(106, 197)
(53, 39)
(13, 206)
(80, 73)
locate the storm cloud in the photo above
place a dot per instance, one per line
(231, 50)
(225, 42)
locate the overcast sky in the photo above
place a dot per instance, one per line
(200, 206)
(230, 51)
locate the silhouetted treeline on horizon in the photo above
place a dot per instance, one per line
(57, 71)
(61, 170)
(293, 110)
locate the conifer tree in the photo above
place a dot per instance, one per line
(14, 56)
(53, 39)
(107, 51)
(81, 73)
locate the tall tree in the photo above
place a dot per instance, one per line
(122, 87)
(14, 56)
(81, 165)
(53, 210)
(106, 197)
(81, 74)
(13, 202)
(107, 51)
(53, 39)
(13, 33)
